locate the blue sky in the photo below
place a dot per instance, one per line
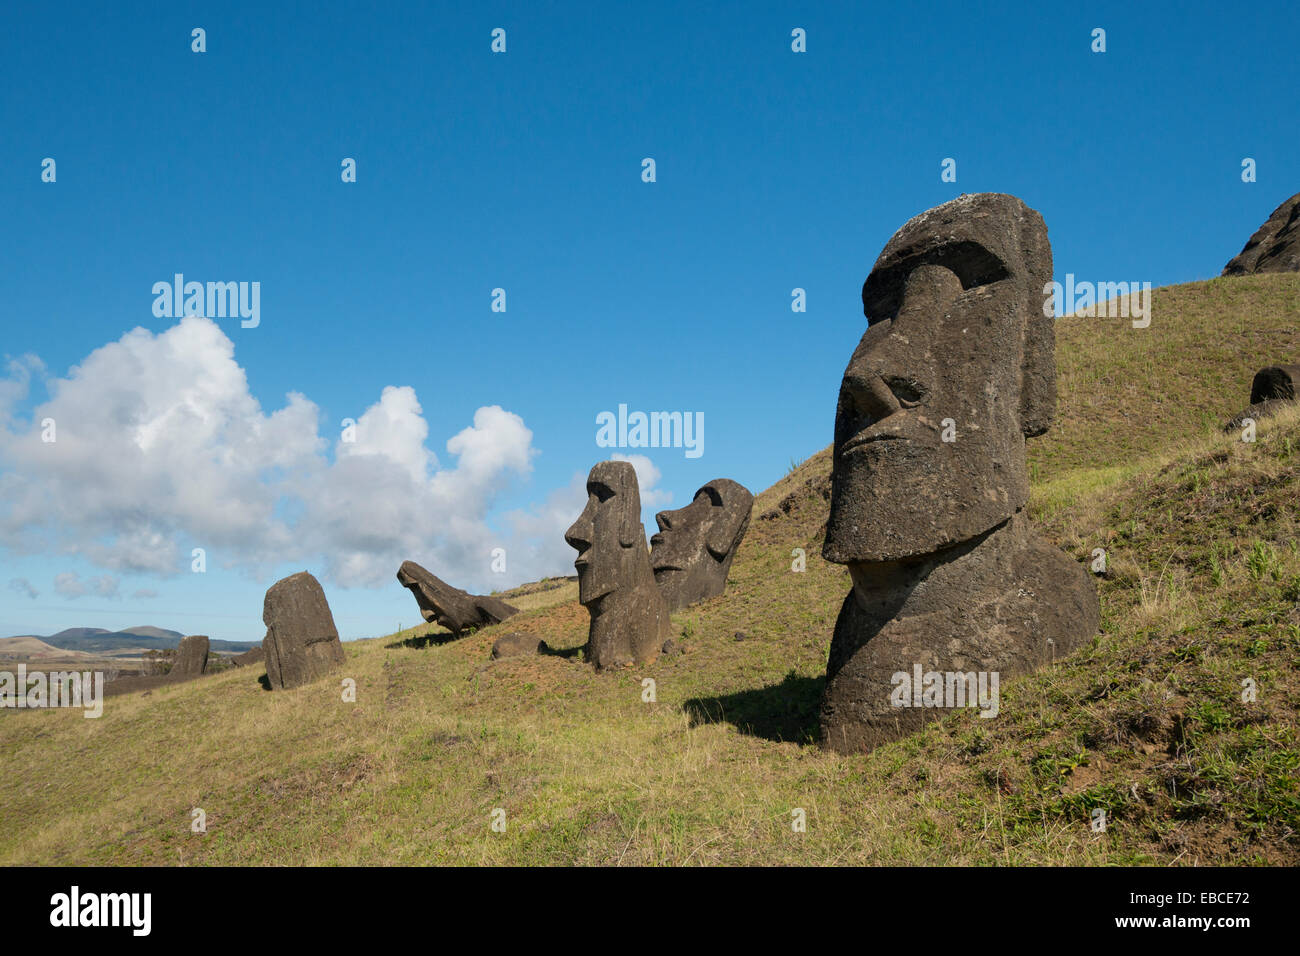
(522, 171)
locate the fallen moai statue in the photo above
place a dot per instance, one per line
(456, 610)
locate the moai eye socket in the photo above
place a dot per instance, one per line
(909, 392)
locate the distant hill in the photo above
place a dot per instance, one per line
(33, 648)
(147, 630)
(97, 640)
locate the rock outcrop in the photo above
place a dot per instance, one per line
(1275, 246)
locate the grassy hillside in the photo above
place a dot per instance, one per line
(1147, 723)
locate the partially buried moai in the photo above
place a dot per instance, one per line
(929, 480)
(629, 617)
(191, 656)
(301, 642)
(1273, 389)
(692, 553)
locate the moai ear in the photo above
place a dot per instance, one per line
(1038, 363)
(730, 526)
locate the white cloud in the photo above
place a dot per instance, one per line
(393, 430)
(70, 585)
(143, 594)
(535, 531)
(24, 587)
(161, 448)
(18, 379)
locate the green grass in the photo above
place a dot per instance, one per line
(1148, 723)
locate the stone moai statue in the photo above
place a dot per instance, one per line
(1275, 383)
(929, 480)
(1272, 389)
(692, 553)
(629, 617)
(191, 656)
(301, 640)
(454, 609)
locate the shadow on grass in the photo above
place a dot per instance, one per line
(439, 638)
(431, 639)
(784, 712)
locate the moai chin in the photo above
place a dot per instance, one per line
(629, 617)
(929, 481)
(692, 553)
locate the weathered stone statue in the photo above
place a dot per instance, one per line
(191, 657)
(1275, 246)
(301, 640)
(692, 553)
(1272, 389)
(1275, 383)
(250, 658)
(454, 609)
(929, 481)
(629, 618)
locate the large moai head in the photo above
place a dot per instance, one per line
(608, 535)
(629, 617)
(955, 370)
(692, 553)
